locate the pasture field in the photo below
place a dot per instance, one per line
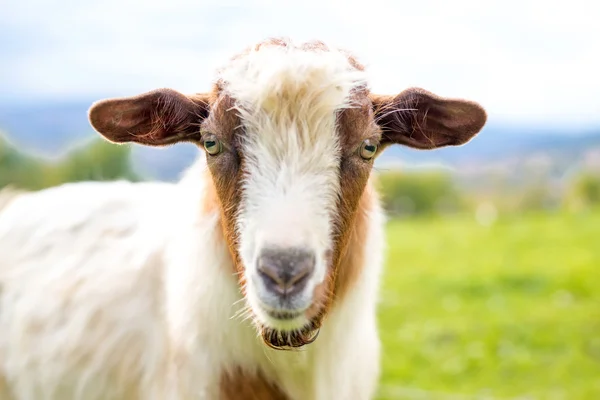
(507, 311)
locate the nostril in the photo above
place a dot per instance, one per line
(285, 271)
(299, 281)
(302, 276)
(271, 278)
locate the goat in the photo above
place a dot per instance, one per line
(253, 277)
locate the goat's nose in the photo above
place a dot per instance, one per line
(285, 271)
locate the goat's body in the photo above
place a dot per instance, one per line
(102, 296)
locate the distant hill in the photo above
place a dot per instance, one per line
(46, 128)
(50, 128)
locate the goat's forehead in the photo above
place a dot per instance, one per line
(287, 84)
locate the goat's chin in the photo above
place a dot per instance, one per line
(290, 334)
(291, 340)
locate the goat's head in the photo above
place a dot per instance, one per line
(290, 134)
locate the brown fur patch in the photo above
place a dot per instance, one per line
(239, 385)
(226, 170)
(352, 259)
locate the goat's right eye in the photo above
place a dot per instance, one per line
(212, 145)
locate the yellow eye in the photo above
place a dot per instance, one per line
(367, 150)
(212, 145)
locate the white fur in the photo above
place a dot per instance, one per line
(127, 291)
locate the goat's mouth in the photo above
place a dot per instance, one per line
(293, 340)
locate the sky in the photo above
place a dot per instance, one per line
(525, 61)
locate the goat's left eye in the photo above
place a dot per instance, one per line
(368, 149)
(212, 145)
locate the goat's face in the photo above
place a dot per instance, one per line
(290, 134)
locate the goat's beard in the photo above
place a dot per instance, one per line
(297, 338)
(292, 340)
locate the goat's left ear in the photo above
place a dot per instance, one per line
(422, 120)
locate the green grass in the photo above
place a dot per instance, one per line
(509, 311)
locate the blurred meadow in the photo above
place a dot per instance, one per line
(492, 282)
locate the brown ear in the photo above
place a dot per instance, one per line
(155, 118)
(422, 120)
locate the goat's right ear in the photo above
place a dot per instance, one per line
(155, 118)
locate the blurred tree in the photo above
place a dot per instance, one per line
(97, 160)
(584, 191)
(418, 193)
(18, 169)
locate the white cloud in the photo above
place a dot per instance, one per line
(531, 61)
